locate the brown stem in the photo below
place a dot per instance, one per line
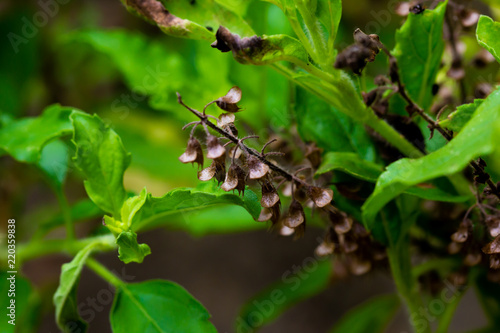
(204, 119)
(433, 125)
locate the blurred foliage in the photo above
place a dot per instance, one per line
(96, 57)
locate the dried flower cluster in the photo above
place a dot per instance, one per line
(344, 236)
(471, 239)
(348, 239)
(357, 55)
(247, 164)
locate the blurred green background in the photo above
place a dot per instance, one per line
(95, 56)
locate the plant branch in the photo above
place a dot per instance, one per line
(380, 126)
(103, 272)
(36, 249)
(433, 124)
(239, 142)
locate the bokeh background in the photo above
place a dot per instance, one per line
(97, 57)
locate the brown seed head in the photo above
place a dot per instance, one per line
(454, 247)
(193, 153)
(256, 168)
(495, 261)
(214, 148)
(461, 235)
(235, 179)
(472, 258)
(313, 154)
(493, 224)
(359, 266)
(216, 169)
(347, 243)
(295, 216)
(492, 247)
(270, 196)
(468, 17)
(324, 249)
(321, 197)
(369, 41)
(228, 102)
(265, 214)
(341, 222)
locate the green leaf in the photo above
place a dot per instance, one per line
(371, 316)
(25, 138)
(350, 163)
(353, 165)
(329, 12)
(54, 162)
(419, 49)
(102, 159)
(457, 119)
(312, 278)
(65, 299)
(480, 136)
(170, 24)
(156, 68)
(340, 93)
(487, 35)
(128, 248)
(158, 306)
(209, 13)
(331, 129)
(430, 192)
(146, 211)
(189, 19)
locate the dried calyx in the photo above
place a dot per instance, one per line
(193, 153)
(350, 240)
(357, 55)
(247, 164)
(493, 249)
(470, 243)
(343, 236)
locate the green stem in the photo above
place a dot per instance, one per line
(379, 125)
(297, 28)
(441, 265)
(398, 253)
(41, 248)
(103, 272)
(410, 297)
(448, 314)
(393, 137)
(66, 212)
